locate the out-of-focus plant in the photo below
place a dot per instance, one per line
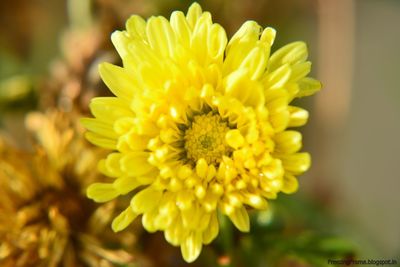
(45, 220)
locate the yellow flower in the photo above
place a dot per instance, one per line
(199, 124)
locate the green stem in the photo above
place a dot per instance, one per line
(226, 238)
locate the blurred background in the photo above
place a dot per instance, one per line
(49, 51)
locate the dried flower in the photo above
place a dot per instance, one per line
(45, 219)
(73, 78)
(198, 124)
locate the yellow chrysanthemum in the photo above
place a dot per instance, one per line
(198, 124)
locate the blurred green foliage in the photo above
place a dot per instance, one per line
(293, 232)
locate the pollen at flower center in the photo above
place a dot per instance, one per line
(206, 138)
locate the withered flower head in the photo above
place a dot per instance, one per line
(45, 219)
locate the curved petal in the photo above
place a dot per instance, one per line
(240, 219)
(191, 246)
(123, 219)
(146, 200)
(101, 192)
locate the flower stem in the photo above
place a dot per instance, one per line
(226, 240)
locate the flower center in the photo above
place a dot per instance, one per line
(206, 138)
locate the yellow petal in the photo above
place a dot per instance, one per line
(160, 35)
(211, 172)
(226, 208)
(200, 191)
(273, 95)
(191, 246)
(101, 141)
(162, 221)
(118, 81)
(175, 233)
(136, 164)
(235, 199)
(300, 71)
(279, 103)
(131, 142)
(292, 53)
(109, 109)
(199, 36)
(142, 53)
(237, 55)
(290, 184)
(166, 172)
(255, 62)
(123, 125)
(136, 27)
(175, 184)
(99, 127)
(280, 120)
(239, 85)
(184, 171)
(146, 200)
(308, 86)
(209, 202)
(167, 212)
(201, 168)
(148, 221)
(226, 170)
(216, 42)
(204, 221)
(146, 127)
(112, 164)
(125, 184)
(256, 201)
(240, 219)
(123, 145)
(123, 220)
(287, 142)
(271, 186)
(296, 163)
(167, 204)
(184, 200)
(293, 89)
(101, 192)
(274, 170)
(298, 116)
(148, 178)
(211, 232)
(249, 31)
(121, 41)
(278, 77)
(101, 166)
(193, 14)
(234, 138)
(268, 36)
(191, 217)
(181, 27)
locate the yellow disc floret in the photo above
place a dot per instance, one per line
(206, 139)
